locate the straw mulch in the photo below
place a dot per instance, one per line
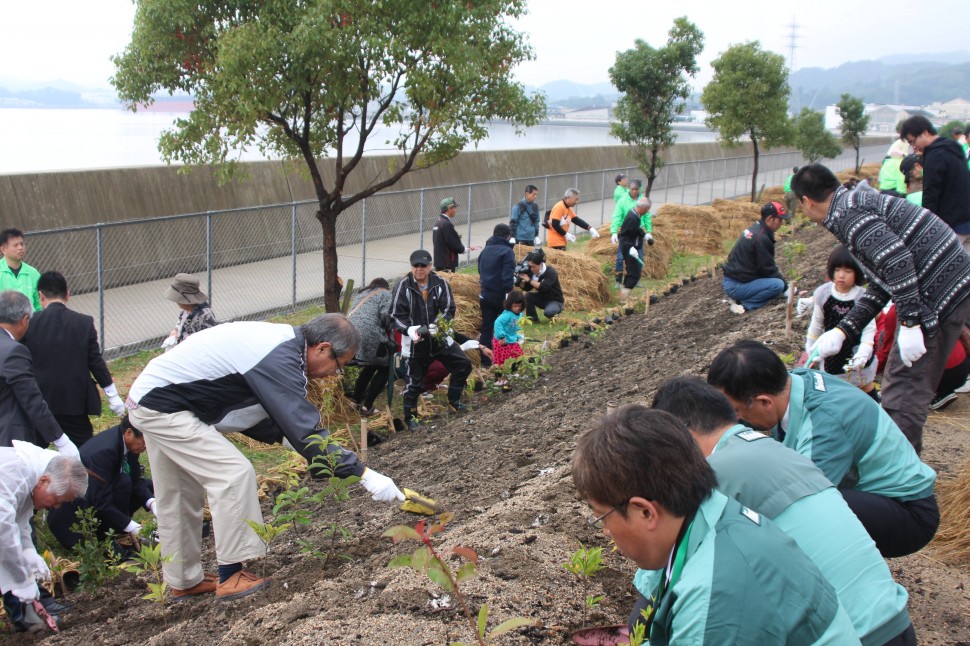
(735, 216)
(656, 260)
(867, 171)
(952, 542)
(583, 282)
(468, 315)
(691, 229)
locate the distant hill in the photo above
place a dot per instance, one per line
(560, 92)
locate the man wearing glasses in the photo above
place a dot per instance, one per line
(727, 574)
(419, 299)
(946, 178)
(245, 377)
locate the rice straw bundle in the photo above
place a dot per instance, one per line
(691, 229)
(584, 284)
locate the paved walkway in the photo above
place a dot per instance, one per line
(138, 316)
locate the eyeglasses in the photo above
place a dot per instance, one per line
(598, 521)
(419, 265)
(340, 367)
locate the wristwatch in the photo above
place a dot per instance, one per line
(909, 322)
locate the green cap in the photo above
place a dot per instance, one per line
(447, 203)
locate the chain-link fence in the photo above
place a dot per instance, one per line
(255, 262)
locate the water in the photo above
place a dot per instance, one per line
(38, 140)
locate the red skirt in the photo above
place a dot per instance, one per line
(502, 351)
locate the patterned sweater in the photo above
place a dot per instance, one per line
(910, 255)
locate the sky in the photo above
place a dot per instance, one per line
(72, 40)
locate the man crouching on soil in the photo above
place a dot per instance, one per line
(237, 377)
(732, 577)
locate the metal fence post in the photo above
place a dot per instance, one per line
(545, 203)
(421, 221)
(208, 251)
(293, 250)
(602, 197)
(683, 184)
(511, 202)
(468, 247)
(737, 169)
(100, 238)
(363, 242)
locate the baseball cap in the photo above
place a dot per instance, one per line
(447, 203)
(618, 178)
(909, 163)
(420, 257)
(775, 209)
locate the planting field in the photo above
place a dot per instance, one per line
(503, 470)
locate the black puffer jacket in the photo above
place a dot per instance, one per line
(946, 183)
(409, 308)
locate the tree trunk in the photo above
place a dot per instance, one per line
(754, 175)
(331, 288)
(857, 146)
(652, 173)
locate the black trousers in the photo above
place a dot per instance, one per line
(77, 427)
(898, 528)
(451, 357)
(953, 378)
(370, 382)
(491, 310)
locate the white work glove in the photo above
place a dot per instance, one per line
(788, 291)
(169, 343)
(593, 233)
(615, 239)
(432, 329)
(380, 487)
(413, 333)
(28, 592)
(66, 447)
(132, 529)
(520, 338)
(633, 253)
(115, 403)
(860, 358)
(911, 346)
(537, 241)
(470, 344)
(570, 237)
(152, 506)
(803, 305)
(512, 240)
(649, 239)
(36, 565)
(829, 343)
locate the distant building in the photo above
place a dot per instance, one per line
(954, 109)
(883, 118)
(589, 113)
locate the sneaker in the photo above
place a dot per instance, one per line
(940, 402)
(239, 585)
(416, 426)
(208, 584)
(736, 307)
(965, 388)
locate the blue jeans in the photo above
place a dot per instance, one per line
(755, 294)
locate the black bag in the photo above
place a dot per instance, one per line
(545, 219)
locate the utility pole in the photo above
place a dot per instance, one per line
(792, 46)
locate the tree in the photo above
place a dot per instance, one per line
(749, 95)
(655, 83)
(314, 81)
(855, 123)
(949, 127)
(812, 138)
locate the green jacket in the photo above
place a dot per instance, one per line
(916, 198)
(790, 490)
(890, 177)
(852, 439)
(744, 582)
(619, 192)
(24, 282)
(624, 204)
(788, 182)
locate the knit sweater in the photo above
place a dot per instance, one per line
(911, 256)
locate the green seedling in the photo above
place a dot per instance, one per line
(584, 563)
(267, 533)
(149, 560)
(427, 560)
(95, 557)
(336, 534)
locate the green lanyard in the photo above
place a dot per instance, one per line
(680, 556)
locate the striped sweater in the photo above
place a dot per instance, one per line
(909, 254)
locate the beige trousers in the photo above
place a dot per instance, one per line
(191, 460)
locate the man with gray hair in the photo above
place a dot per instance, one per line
(631, 238)
(24, 415)
(239, 377)
(561, 216)
(30, 478)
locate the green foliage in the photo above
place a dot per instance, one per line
(656, 85)
(792, 249)
(812, 138)
(748, 95)
(149, 560)
(426, 560)
(639, 635)
(855, 122)
(96, 558)
(304, 81)
(948, 128)
(584, 563)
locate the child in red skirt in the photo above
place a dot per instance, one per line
(508, 338)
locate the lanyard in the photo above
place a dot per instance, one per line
(674, 570)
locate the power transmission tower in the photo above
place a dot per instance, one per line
(792, 43)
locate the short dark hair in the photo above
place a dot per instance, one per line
(531, 188)
(915, 126)
(815, 181)
(377, 283)
(502, 230)
(641, 452)
(634, 184)
(126, 425)
(699, 405)
(6, 234)
(52, 285)
(748, 369)
(515, 296)
(957, 130)
(840, 257)
(794, 169)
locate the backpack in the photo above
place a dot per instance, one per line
(545, 219)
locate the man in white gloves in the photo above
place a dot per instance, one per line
(237, 377)
(66, 354)
(30, 478)
(524, 219)
(116, 490)
(24, 414)
(419, 299)
(911, 257)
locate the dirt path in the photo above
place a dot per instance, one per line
(503, 470)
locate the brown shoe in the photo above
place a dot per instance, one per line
(239, 585)
(208, 584)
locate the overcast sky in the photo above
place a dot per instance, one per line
(577, 40)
